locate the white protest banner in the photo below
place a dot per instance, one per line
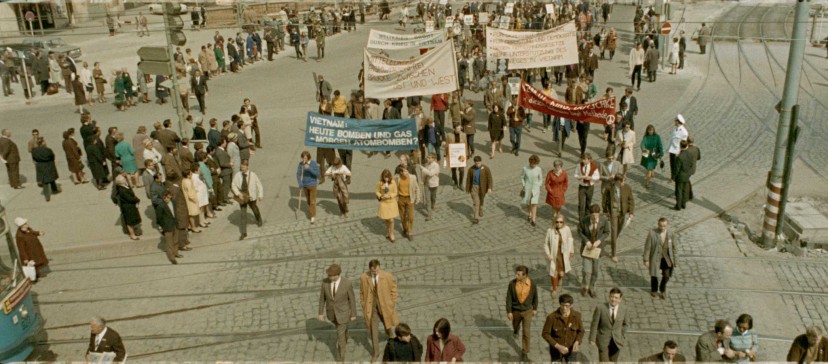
(528, 49)
(514, 85)
(450, 19)
(443, 2)
(468, 19)
(431, 73)
(504, 22)
(457, 155)
(382, 40)
(510, 8)
(550, 9)
(483, 18)
(429, 25)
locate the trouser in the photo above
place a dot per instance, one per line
(253, 206)
(429, 199)
(347, 156)
(610, 353)
(682, 189)
(310, 195)
(547, 120)
(270, 50)
(470, 143)
(406, 213)
(636, 75)
(226, 181)
(185, 102)
(341, 340)
(514, 138)
(320, 52)
(171, 240)
(67, 81)
(681, 59)
(666, 273)
(214, 196)
(477, 201)
(525, 318)
(556, 357)
(591, 269)
(584, 200)
(458, 182)
(702, 48)
(298, 51)
(280, 43)
(373, 330)
(673, 166)
(44, 85)
(583, 132)
(7, 85)
(201, 106)
(325, 158)
(612, 53)
(434, 148)
(49, 188)
(14, 174)
(616, 223)
(651, 75)
(181, 237)
(440, 120)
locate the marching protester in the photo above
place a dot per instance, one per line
(431, 180)
(559, 248)
(408, 195)
(378, 297)
(387, 192)
(531, 178)
(478, 184)
(307, 174)
(497, 126)
(340, 175)
(248, 191)
(556, 184)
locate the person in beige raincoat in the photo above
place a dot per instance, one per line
(378, 297)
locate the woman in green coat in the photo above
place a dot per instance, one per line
(219, 50)
(651, 152)
(120, 92)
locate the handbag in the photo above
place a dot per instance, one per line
(29, 271)
(522, 192)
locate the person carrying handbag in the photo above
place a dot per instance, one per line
(248, 192)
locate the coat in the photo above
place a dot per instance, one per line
(172, 170)
(603, 329)
(704, 36)
(95, 159)
(110, 343)
(624, 204)
(9, 151)
(685, 163)
(341, 308)
(468, 121)
(453, 349)
(799, 348)
(651, 59)
(659, 358)
(550, 247)
(30, 248)
(180, 210)
(125, 154)
(706, 348)
(387, 294)
(556, 186)
(626, 141)
(584, 231)
(73, 155)
(138, 149)
(532, 180)
(190, 195)
(556, 332)
(486, 180)
(496, 124)
(387, 208)
(164, 218)
(653, 250)
(652, 144)
(128, 202)
(397, 350)
(45, 164)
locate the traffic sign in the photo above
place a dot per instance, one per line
(666, 28)
(154, 54)
(154, 68)
(30, 16)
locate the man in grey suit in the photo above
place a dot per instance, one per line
(323, 90)
(337, 301)
(660, 246)
(714, 346)
(593, 229)
(226, 173)
(609, 327)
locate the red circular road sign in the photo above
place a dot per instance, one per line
(29, 16)
(666, 28)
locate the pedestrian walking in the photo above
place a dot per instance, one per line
(651, 153)
(809, 347)
(651, 61)
(378, 297)
(556, 185)
(517, 117)
(442, 345)
(468, 120)
(559, 248)
(673, 145)
(674, 56)
(431, 180)
(104, 339)
(128, 204)
(30, 249)
(531, 178)
(307, 174)
(593, 230)
(340, 175)
(626, 141)
(248, 192)
(660, 247)
(619, 206)
(609, 326)
(564, 331)
(684, 165)
(47, 173)
(744, 342)
(522, 307)
(403, 347)
(636, 64)
(199, 86)
(478, 184)
(586, 175)
(408, 196)
(387, 192)
(669, 354)
(714, 346)
(338, 304)
(10, 156)
(497, 126)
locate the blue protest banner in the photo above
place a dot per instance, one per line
(359, 134)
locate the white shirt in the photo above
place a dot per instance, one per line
(679, 134)
(335, 286)
(99, 337)
(583, 174)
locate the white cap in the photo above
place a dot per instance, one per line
(20, 221)
(680, 119)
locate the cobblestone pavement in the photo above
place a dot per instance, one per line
(256, 299)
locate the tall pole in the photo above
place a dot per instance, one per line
(790, 94)
(174, 94)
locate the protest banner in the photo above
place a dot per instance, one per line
(504, 22)
(550, 9)
(468, 19)
(457, 155)
(529, 49)
(514, 85)
(483, 18)
(360, 134)
(598, 112)
(383, 40)
(510, 8)
(434, 72)
(429, 25)
(450, 19)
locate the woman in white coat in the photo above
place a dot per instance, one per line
(559, 251)
(674, 56)
(626, 140)
(532, 179)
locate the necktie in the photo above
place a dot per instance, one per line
(612, 313)
(333, 288)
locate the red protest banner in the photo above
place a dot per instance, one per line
(598, 112)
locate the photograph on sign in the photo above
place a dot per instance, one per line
(429, 25)
(504, 22)
(457, 155)
(450, 19)
(514, 85)
(468, 19)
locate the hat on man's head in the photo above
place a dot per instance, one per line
(20, 221)
(199, 120)
(334, 270)
(680, 119)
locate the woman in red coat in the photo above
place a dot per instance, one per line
(452, 348)
(556, 184)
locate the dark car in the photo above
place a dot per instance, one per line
(54, 45)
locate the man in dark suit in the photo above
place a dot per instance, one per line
(215, 175)
(695, 156)
(10, 156)
(226, 173)
(323, 89)
(182, 217)
(714, 346)
(618, 204)
(338, 302)
(199, 85)
(660, 246)
(166, 136)
(669, 354)
(105, 340)
(214, 134)
(593, 229)
(253, 113)
(609, 327)
(198, 131)
(166, 221)
(109, 151)
(629, 100)
(684, 165)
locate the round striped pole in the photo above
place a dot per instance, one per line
(772, 210)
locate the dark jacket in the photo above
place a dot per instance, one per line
(397, 350)
(707, 349)
(111, 342)
(695, 155)
(96, 160)
(659, 358)
(390, 113)
(200, 87)
(128, 201)
(685, 163)
(45, 164)
(584, 230)
(800, 347)
(486, 181)
(214, 138)
(556, 332)
(624, 205)
(512, 303)
(164, 217)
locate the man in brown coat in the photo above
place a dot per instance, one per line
(378, 297)
(172, 169)
(10, 156)
(166, 136)
(651, 60)
(479, 182)
(182, 216)
(564, 331)
(809, 347)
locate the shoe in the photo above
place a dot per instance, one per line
(179, 256)
(410, 237)
(652, 294)
(186, 248)
(592, 294)
(615, 259)
(584, 292)
(517, 154)
(173, 261)
(194, 231)
(533, 223)
(259, 223)
(21, 187)
(313, 220)
(664, 295)
(217, 209)
(676, 208)
(515, 334)
(475, 221)
(242, 236)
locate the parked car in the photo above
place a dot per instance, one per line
(54, 45)
(158, 8)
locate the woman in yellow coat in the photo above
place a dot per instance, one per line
(387, 195)
(190, 195)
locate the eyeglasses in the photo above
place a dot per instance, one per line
(559, 222)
